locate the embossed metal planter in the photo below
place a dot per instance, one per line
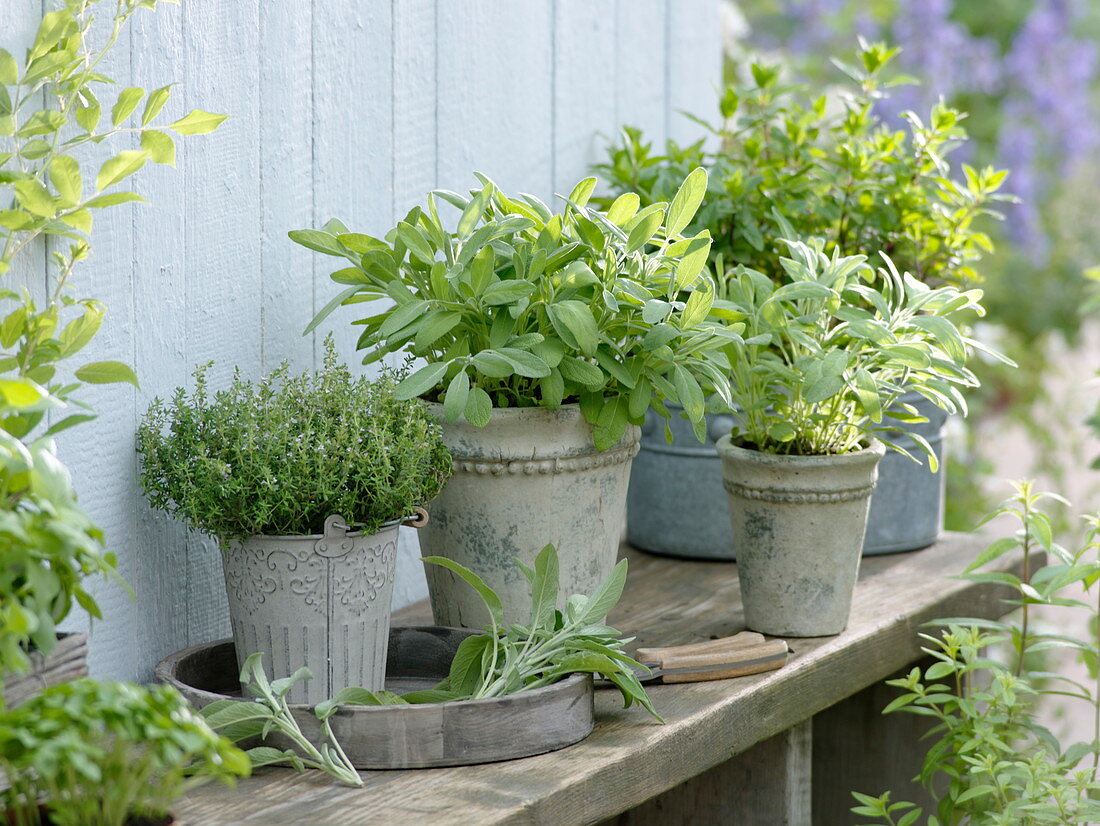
(798, 525)
(320, 601)
(529, 477)
(907, 505)
(676, 505)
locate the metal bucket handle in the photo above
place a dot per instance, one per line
(418, 520)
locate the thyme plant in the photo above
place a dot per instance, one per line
(518, 306)
(279, 456)
(991, 762)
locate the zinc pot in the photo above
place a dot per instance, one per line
(531, 476)
(67, 660)
(676, 505)
(319, 601)
(907, 505)
(798, 525)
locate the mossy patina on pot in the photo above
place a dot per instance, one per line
(798, 524)
(532, 476)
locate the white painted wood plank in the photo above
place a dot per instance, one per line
(414, 175)
(352, 135)
(642, 68)
(414, 103)
(100, 453)
(495, 69)
(584, 87)
(159, 553)
(286, 181)
(694, 65)
(223, 231)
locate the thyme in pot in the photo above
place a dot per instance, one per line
(279, 456)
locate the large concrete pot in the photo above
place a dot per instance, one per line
(907, 506)
(675, 505)
(320, 601)
(529, 477)
(798, 525)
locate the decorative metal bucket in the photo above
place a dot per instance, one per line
(319, 601)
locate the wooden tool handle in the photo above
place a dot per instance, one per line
(735, 643)
(716, 660)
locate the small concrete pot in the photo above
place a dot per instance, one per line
(675, 505)
(798, 525)
(907, 505)
(530, 477)
(319, 601)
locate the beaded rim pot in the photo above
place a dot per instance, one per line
(531, 476)
(798, 524)
(319, 601)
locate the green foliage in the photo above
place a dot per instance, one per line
(106, 753)
(521, 307)
(826, 356)
(507, 659)
(48, 544)
(991, 763)
(52, 121)
(271, 712)
(280, 456)
(828, 166)
(511, 658)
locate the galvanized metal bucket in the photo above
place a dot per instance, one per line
(675, 504)
(907, 505)
(319, 601)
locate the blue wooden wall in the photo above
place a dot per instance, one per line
(347, 108)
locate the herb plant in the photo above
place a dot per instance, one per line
(521, 307)
(826, 356)
(507, 659)
(833, 169)
(52, 121)
(106, 753)
(271, 712)
(49, 545)
(279, 456)
(511, 658)
(991, 761)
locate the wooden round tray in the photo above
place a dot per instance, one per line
(412, 736)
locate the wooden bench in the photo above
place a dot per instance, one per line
(786, 747)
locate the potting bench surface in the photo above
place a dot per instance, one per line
(630, 757)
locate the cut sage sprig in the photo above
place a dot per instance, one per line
(270, 712)
(508, 659)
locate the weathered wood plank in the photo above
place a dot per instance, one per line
(641, 60)
(858, 749)
(768, 785)
(67, 661)
(629, 757)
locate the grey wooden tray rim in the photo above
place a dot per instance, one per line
(423, 735)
